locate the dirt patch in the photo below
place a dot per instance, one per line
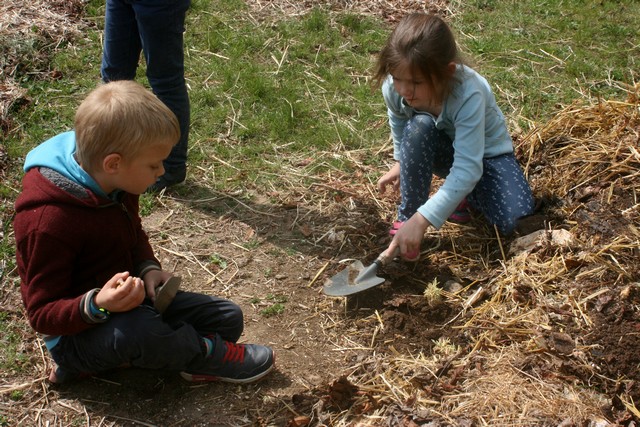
(471, 334)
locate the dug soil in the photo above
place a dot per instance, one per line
(337, 357)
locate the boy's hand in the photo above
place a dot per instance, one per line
(390, 178)
(153, 279)
(121, 293)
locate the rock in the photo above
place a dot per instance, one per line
(539, 239)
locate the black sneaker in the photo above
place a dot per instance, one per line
(234, 363)
(167, 180)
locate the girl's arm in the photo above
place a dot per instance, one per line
(396, 113)
(468, 122)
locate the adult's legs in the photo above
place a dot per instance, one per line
(503, 194)
(425, 150)
(122, 45)
(161, 28)
(156, 29)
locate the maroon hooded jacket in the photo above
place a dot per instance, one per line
(70, 241)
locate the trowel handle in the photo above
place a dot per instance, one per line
(385, 259)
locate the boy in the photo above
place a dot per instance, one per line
(88, 274)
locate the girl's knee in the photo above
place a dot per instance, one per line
(421, 133)
(420, 125)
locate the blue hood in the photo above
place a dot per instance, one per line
(58, 153)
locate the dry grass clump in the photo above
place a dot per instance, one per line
(511, 372)
(586, 146)
(28, 30)
(502, 393)
(391, 11)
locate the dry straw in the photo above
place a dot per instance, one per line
(509, 374)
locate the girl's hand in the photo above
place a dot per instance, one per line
(390, 178)
(121, 293)
(409, 237)
(153, 279)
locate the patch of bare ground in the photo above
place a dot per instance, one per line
(538, 329)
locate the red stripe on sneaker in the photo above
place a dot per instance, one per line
(234, 353)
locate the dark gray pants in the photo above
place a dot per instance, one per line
(144, 338)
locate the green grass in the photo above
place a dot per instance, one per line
(267, 95)
(274, 91)
(264, 96)
(540, 54)
(276, 305)
(12, 358)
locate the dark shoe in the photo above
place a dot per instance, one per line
(60, 376)
(168, 179)
(234, 363)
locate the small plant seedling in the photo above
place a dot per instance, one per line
(445, 347)
(273, 310)
(275, 304)
(218, 260)
(433, 293)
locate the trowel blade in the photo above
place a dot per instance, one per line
(351, 280)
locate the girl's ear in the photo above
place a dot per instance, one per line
(451, 67)
(111, 163)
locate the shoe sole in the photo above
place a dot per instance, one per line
(201, 378)
(54, 378)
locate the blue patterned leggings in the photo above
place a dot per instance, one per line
(502, 195)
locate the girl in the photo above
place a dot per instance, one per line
(444, 120)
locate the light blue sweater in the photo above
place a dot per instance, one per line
(475, 124)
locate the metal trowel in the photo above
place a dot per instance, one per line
(166, 292)
(356, 277)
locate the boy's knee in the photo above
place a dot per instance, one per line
(236, 322)
(228, 321)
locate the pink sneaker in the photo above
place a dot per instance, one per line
(461, 215)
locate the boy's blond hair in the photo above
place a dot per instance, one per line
(121, 117)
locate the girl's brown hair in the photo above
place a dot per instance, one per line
(427, 46)
(121, 117)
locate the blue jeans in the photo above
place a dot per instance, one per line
(502, 195)
(156, 28)
(144, 338)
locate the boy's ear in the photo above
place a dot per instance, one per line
(111, 163)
